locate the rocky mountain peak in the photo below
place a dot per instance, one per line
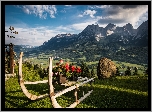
(128, 26)
(144, 25)
(91, 28)
(110, 27)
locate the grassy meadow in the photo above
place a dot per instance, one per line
(116, 92)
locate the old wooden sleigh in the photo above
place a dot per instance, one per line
(53, 95)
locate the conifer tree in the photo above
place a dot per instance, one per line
(136, 71)
(128, 71)
(85, 70)
(117, 72)
(87, 73)
(92, 73)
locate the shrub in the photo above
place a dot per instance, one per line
(106, 68)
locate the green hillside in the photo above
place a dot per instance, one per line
(119, 92)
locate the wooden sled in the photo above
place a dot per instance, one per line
(52, 94)
(21, 82)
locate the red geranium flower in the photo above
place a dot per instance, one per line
(67, 67)
(78, 70)
(73, 68)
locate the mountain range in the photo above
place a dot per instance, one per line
(111, 33)
(118, 43)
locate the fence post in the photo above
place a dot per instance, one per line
(11, 58)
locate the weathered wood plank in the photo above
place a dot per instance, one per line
(86, 95)
(36, 82)
(80, 100)
(10, 75)
(71, 88)
(69, 83)
(82, 79)
(25, 91)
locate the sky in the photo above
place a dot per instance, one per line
(36, 24)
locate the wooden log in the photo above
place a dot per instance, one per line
(71, 88)
(82, 79)
(55, 103)
(69, 83)
(36, 82)
(21, 82)
(50, 75)
(10, 75)
(42, 96)
(64, 91)
(73, 105)
(20, 66)
(86, 95)
(80, 100)
(86, 81)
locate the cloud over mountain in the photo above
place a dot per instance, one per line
(50, 20)
(88, 12)
(120, 14)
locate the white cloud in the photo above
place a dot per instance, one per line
(67, 5)
(76, 27)
(34, 36)
(64, 28)
(88, 12)
(30, 36)
(81, 26)
(40, 10)
(102, 6)
(110, 14)
(26, 10)
(38, 35)
(120, 16)
(80, 15)
(63, 11)
(91, 7)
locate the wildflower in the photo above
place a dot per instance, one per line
(78, 70)
(73, 68)
(67, 67)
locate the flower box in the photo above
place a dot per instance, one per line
(62, 79)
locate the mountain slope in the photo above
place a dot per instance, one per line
(119, 43)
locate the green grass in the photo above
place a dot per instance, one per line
(83, 58)
(90, 63)
(46, 61)
(118, 92)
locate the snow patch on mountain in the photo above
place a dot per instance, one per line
(109, 32)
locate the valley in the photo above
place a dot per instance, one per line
(124, 44)
(42, 60)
